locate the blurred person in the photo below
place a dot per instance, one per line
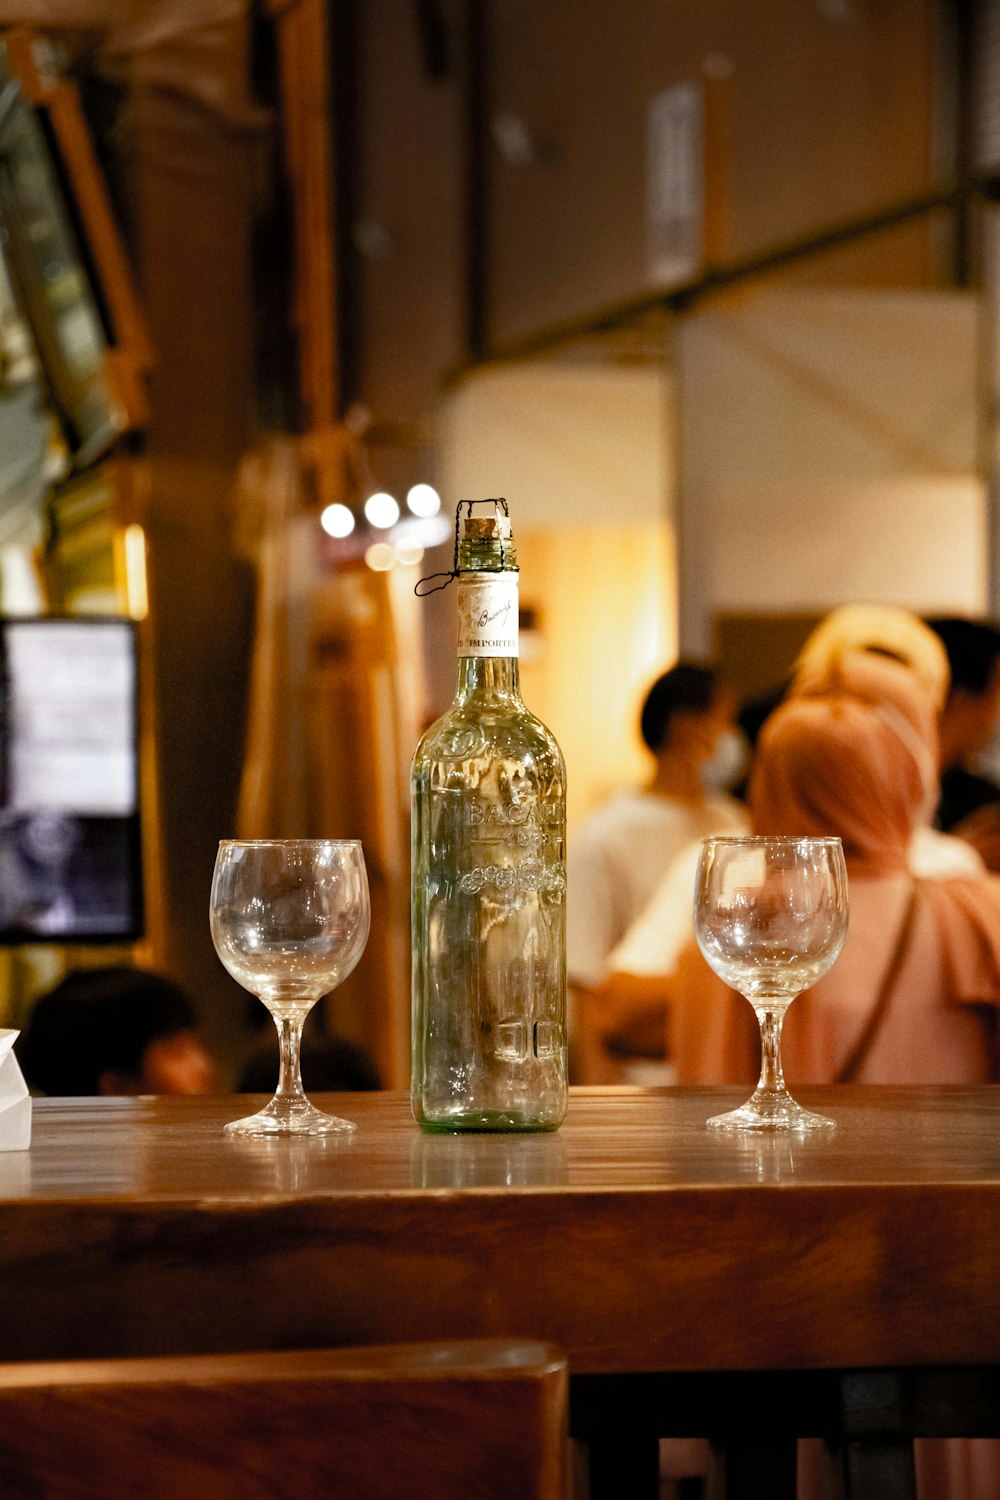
(884, 630)
(114, 1030)
(970, 801)
(889, 631)
(855, 756)
(639, 966)
(619, 854)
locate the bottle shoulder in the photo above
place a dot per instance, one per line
(467, 730)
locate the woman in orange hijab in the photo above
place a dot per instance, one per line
(853, 752)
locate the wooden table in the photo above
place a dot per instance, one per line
(645, 1245)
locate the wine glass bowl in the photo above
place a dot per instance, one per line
(289, 920)
(770, 917)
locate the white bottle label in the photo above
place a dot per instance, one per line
(487, 615)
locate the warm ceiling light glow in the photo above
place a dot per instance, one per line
(382, 510)
(423, 500)
(409, 554)
(380, 557)
(421, 531)
(337, 520)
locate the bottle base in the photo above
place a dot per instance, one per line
(486, 1122)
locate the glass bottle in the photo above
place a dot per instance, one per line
(488, 789)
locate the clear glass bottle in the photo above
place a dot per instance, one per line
(488, 789)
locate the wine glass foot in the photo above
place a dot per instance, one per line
(284, 1117)
(771, 1112)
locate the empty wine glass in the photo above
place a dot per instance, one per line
(770, 916)
(289, 921)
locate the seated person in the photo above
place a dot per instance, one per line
(114, 1030)
(617, 857)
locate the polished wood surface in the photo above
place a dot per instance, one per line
(434, 1421)
(633, 1237)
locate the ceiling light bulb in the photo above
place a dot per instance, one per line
(382, 510)
(337, 520)
(423, 500)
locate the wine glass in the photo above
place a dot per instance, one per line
(289, 921)
(770, 916)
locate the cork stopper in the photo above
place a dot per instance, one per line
(484, 528)
(484, 543)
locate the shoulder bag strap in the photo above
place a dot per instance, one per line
(852, 1066)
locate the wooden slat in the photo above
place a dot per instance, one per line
(433, 1422)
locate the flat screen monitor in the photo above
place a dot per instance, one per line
(70, 852)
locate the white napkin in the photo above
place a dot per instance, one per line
(15, 1102)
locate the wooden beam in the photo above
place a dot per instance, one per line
(131, 351)
(306, 109)
(62, 15)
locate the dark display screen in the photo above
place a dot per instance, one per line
(70, 865)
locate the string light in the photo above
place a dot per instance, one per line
(337, 520)
(423, 500)
(382, 510)
(409, 535)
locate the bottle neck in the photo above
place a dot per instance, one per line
(488, 636)
(488, 677)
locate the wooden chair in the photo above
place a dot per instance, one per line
(468, 1420)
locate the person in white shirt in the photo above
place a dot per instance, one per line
(618, 857)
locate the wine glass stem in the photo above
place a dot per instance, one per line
(770, 1017)
(290, 1054)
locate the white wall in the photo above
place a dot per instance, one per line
(828, 454)
(567, 444)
